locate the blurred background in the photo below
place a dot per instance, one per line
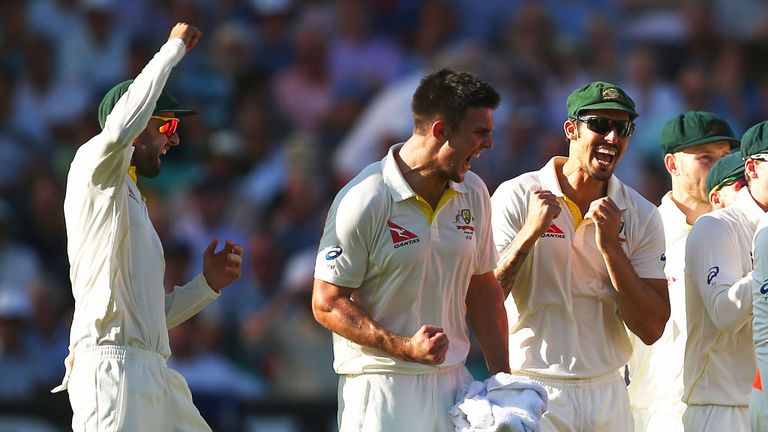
(295, 97)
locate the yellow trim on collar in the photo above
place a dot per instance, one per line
(573, 208)
(132, 174)
(427, 209)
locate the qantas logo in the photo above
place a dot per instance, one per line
(554, 231)
(401, 236)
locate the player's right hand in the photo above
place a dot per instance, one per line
(188, 33)
(543, 208)
(428, 345)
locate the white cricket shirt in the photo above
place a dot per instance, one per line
(409, 266)
(760, 296)
(719, 355)
(563, 317)
(116, 259)
(656, 371)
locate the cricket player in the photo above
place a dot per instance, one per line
(406, 260)
(116, 369)
(719, 354)
(582, 257)
(692, 142)
(725, 180)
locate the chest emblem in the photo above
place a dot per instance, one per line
(554, 231)
(463, 221)
(401, 236)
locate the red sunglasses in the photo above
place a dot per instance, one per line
(169, 127)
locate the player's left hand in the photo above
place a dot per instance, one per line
(607, 217)
(222, 268)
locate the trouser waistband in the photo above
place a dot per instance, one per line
(104, 352)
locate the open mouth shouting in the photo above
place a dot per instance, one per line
(606, 155)
(468, 160)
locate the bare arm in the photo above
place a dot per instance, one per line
(643, 303)
(485, 309)
(335, 310)
(543, 208)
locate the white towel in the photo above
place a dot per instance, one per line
(502, 403)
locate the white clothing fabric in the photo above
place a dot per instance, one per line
(409, 266)
(129, 389)
(393, 402)
(563, 316)
(716, 418)
(758, 401)
(503, 402)
(656, 371)
(599, 404)
(719, 354)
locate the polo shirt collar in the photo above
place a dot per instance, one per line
(548, 177)
(399, 189)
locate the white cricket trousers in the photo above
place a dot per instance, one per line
(599, 404)
(720, 418)
(115, 388)
(388, 402)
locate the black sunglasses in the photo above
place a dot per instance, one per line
(603, 126)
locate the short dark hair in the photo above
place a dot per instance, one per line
(448, 94)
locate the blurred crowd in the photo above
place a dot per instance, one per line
(295, 97)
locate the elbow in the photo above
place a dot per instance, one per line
(652, 335)
(653, 332)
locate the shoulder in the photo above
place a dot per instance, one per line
(712, 225)
(639, 203)
(520, 185)
(364, 190)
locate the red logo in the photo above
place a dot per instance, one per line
(554, 231)
(400, 235)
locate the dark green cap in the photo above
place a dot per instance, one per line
(727, 166)
(755, 140)
(165, 103)
(600, 95)
(695, 128)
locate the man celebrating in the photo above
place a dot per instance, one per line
(719, 355)
(595, 267)
(406, 256)
(116, 369)
(692, 143)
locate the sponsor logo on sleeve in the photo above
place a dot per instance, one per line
(712, 274)
(764, 287)
(332, 252)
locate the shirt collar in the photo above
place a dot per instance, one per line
(549, 181)
(393, 178)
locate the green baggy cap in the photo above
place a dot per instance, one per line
(695, 128)
(165, 103)
(755, 140)
(727, 166)
(600, 95)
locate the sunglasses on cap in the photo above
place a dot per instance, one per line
(603, 126)
(169, 127)
(728, 181)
